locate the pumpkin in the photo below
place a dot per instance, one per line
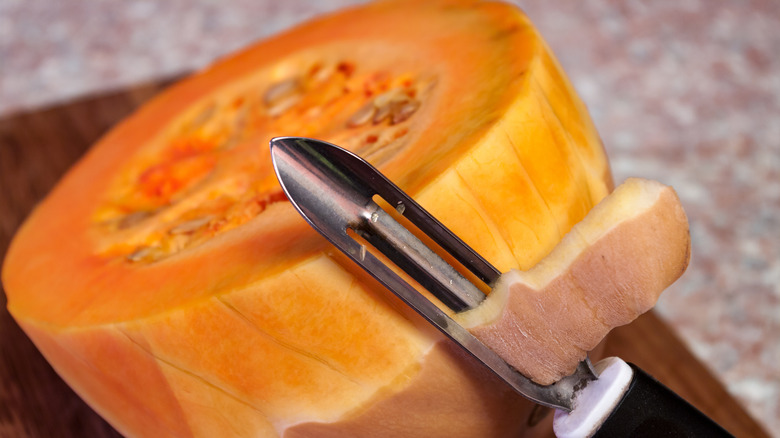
(168, 281)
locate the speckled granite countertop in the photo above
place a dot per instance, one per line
(686, 92)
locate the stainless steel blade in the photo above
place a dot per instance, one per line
(333, 190)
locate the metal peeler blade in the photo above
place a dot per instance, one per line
(333, 189)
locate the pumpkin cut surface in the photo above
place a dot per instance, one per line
(169, 282)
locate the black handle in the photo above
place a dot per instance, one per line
(649, 409)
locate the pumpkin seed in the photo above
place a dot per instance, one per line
(281, 91)
(362, 116)
(140, 254)
(237, 129)
(191, 225)
(382, 113)
(403, 110)
(387, 97)
(204, 115)
(133, 219)
(318, 73)
(283, 105)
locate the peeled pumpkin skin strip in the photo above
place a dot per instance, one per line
(609, 269)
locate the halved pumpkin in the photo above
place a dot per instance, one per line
(172, 286)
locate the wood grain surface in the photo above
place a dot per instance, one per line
(36, 148)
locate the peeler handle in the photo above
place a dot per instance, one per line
(635, 405)
(649, 408)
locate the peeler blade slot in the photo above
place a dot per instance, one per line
(354, 168)
(419, 261)
(333, 189)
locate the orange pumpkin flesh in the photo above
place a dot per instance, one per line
(170, 284)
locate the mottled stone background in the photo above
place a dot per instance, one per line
(683, 91)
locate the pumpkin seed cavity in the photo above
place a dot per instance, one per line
(366, 112)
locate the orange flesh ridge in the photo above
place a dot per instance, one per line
(608, 270)
(230, 325)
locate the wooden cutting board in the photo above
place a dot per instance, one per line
(36, 148)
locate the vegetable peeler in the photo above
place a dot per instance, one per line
(334, 190)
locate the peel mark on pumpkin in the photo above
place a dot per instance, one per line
(298, 350)
(517, 251)
(506, 237)
(84, 355)
(587, 132)
(562, 153)
(499, 240)
(543, 95)
(478, 212)
(520, 160)
(164, 362)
